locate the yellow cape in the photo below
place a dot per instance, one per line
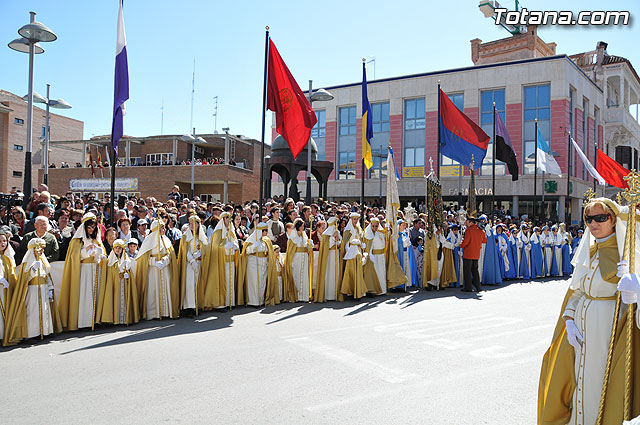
(395, 274)
(15, 328)
(353, 277)
(70, 288)
(448, 274)
(430, 261)
(370, 276)
(215, 294)
(111, 305)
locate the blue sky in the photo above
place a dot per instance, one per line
(322, 40)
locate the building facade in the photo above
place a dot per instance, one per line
(226, 168)
(13, 137)
(555, 91)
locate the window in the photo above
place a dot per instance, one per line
(18, 121)
(317, 132)
(572, 99)
(18, 147)
(347, 143)
(380, 140)
(486, 122)
(458, 100)
(159, 158)
(585, 135)
(536, 105)
(414, 132)
(44, 132)
(17, 174)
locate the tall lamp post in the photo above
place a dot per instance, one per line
(31, 34)
(193, 140)
(319, 96)
(60, 104)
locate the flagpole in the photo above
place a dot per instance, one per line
(364, 132)
(595, 161)
(438, 168)
(493, 163)
(567, 217)
(535, 173)
(264, 110)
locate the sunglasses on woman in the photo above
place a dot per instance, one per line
(599, 218)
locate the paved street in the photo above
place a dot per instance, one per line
(420, 358)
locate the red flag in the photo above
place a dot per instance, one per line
(294, 116)
(93, 172)
(611, 171)
(99, 160)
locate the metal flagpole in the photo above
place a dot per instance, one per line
(595, 162)
(542, 209)
(535, 172)
(567, 217)
(493, 162)
(438, 167)
(113, 183)
(264, 110)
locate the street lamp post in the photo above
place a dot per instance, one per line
(319, 96)
(193, 140)
(60, 104)
(31, 34)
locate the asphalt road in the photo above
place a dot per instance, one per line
(442, 357)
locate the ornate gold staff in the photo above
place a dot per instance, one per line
(632, 196)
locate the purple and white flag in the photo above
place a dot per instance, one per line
(121, 83)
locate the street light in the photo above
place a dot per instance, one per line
(193, 140)
(31, 34)
(319, 96)
(59, 104)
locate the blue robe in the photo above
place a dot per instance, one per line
(491, 271)
(501, 264)
(537, 259)
(512, 256)
(413, 267)
(456, 263)
(574, 245)
(567, 268)
(524, 270)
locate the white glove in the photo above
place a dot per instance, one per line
(573, 334)
(50, 295)
(4, 282)
(197, 254)
(160, 265)
(628, 286)
(230, 245)
(623, 268)
(261, 248)
(364, 260)
(460, 253)
(126, 276)
(36, 265)
(528, 247)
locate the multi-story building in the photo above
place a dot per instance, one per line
(226, 167)
(13, 138)
(528, 82)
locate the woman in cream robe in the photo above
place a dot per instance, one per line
(329, 266)
(353, 278)
(583, 333)
(193, 255)
(7, 276)
(32, 309)
(220, 290)
(81, 278)
(298, 266)
(121, 298)
(157, 277)
(558, 241)
(352, 231)
(547, 249)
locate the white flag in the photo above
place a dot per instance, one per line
(546, 162)
(585, 161)
(393, 200)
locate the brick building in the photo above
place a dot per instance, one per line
(590, 95)
(13, 135)
(151, 166)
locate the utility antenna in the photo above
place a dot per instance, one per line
(193, 92)
(162, 118)
(215, 115)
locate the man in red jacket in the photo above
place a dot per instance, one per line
(474, 237)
